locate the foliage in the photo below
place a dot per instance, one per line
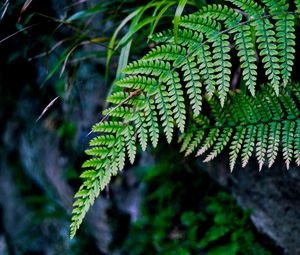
(156, 89)
(261, 123)
(78, 31)
(142, 19)
(174, 222)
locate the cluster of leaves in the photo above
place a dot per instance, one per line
(154, 94)
(174, 222)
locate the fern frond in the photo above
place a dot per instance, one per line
(152, 121)
(164, 109)
(108, 127)
(165, 52)
(222, 13)
(135, 82)
(102, 140)
(222, 66)
(287, 141)
(176, 99)
(186, 37)
(247, 55)
(193, 84)
(268, 51)
(248, 144)
(253, 124)
(142, 129)
(129, 135)
(86, 196)
(155, 68)
(169, 82)
(261, 144)
(285, 35)
(206, 25)
(236, 146)
(206, 68)
(121, 112)
(273, 143)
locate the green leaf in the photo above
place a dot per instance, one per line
(177, 16)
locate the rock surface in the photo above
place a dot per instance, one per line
(272, 195)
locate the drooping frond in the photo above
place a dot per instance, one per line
(253, 125)
(167, 86)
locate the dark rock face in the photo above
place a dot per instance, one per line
(272, 195)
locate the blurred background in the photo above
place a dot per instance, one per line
(58, 61)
